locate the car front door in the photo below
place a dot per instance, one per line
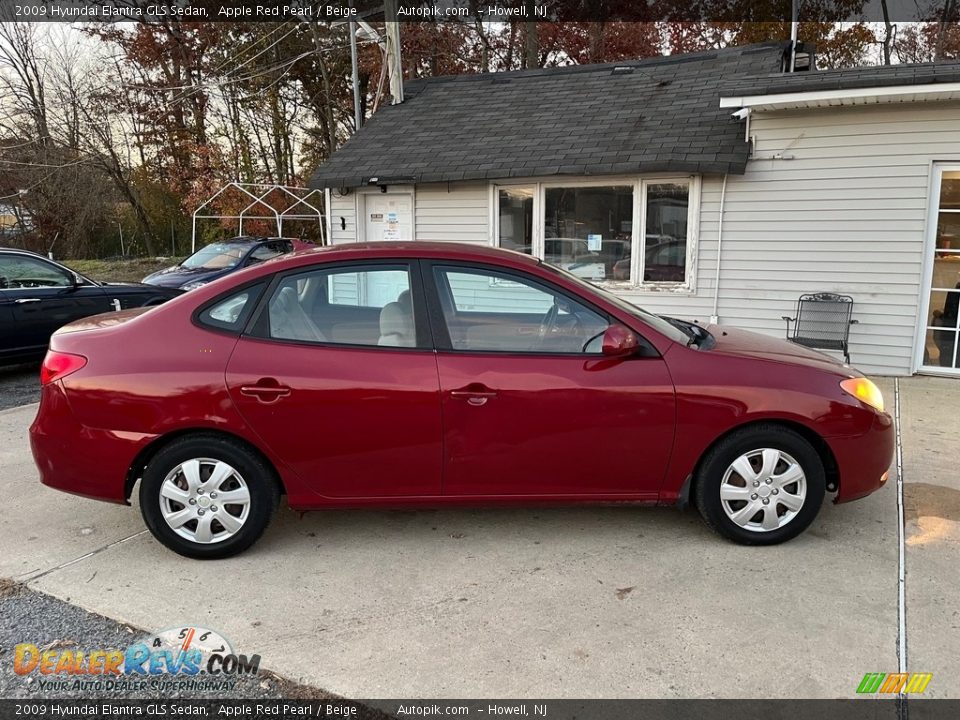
(42, 297)
(530, 405)
(338, 377)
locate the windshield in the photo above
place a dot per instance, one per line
(217, 256)
(658, 323)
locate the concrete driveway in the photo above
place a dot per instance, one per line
(576, 602)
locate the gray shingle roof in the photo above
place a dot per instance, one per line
(662, 115)
(844, 79)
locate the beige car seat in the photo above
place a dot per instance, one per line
(288, 321)
(396, 323)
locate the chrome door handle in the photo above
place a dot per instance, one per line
(21, 301)
(475, 395)
(265, 393)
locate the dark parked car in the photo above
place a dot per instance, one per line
(219, 259)
(38, 295)
(399, 374)
(663, 262)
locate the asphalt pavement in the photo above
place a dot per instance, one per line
(19, 385)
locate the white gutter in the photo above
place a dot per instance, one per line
(714, 318)
(328, 240)
(901, 93)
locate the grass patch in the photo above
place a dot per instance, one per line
(8, 587)
(120, 270)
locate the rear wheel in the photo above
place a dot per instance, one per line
(760, 486)
(205, 496)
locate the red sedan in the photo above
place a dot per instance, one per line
(401, 374)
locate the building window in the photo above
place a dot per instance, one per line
(667, 213)
(515, 218)
(588, 228)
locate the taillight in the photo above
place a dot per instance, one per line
(59, 364)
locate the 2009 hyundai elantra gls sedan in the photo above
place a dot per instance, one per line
(432, 374)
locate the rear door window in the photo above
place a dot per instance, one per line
(357, 305)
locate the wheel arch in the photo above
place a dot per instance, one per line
(820, 446)
(150, 451)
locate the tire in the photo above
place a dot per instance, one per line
(186, 493)
(761, 462)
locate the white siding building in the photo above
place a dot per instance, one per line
(843, 181)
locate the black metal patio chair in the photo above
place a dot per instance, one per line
(823, 322)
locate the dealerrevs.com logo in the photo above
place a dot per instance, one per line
(176, 659)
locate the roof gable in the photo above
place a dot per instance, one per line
(655, 115)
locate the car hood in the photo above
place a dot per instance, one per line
(104, 320)
(743, 343)
(177, 276)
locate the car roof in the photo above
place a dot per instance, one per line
(416, 249)
(22, 251)
(247, 240)
(239, 240)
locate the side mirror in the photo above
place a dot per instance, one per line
(619, 341)
(73, 281)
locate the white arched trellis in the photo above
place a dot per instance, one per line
(259, 208)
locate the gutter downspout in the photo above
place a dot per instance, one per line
(714, 318)
(795, 31)
(355, 75)
(328, 240)
(394, 60)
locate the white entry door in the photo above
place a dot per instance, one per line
(941, 350)
(388, 216)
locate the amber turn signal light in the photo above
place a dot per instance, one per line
(864, 390)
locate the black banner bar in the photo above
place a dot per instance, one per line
(866, 708)
(329, 11)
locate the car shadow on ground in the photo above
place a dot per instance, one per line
(549, 525)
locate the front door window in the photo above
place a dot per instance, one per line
(489, 311)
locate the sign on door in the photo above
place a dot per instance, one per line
(389, 217)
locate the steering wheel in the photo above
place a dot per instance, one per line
(551, 322)
(548, 324)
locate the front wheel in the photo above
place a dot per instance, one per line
(762, 485)
(207, 497)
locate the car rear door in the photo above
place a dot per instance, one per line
(339, 378)
(530, 406)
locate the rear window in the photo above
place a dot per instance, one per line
(231, 311)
